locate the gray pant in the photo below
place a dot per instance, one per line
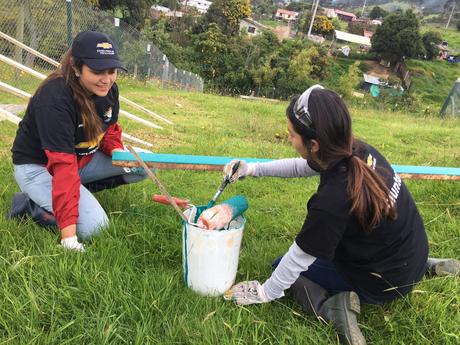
(36, 181)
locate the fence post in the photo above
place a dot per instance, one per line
(164, 75)
(20, 38)
(69, 22)
(117, 40)
(148, 55)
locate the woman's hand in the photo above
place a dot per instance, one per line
(72, 244)
(69, 238)
(244, 169)
(247, 292)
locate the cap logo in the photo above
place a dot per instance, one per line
(104, 45)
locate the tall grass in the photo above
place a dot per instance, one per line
(127, 288)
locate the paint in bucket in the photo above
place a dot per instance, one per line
(219, 216)
(210, 258)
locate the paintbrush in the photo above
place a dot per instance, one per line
(227, 179)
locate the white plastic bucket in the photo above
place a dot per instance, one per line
(210, 257)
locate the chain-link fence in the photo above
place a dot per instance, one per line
(49, 26)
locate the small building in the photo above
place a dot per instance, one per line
(330, 12)
(252, 27)
(347, 37)
(200, 5)
(371, 79)
(371, 84)
(346, 16)
(282, 14)
(157, 11)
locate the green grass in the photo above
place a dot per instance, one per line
(394, 5)
(272, 23)
(451, 35)
(432, 80)
(127, 288)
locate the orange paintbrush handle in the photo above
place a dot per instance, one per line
(163, 200)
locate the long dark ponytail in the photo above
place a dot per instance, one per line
(91, 122)
(331, 126)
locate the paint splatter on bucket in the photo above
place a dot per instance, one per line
(210, 258)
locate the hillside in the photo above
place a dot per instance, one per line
(432, 5)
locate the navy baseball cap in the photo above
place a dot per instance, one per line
(96, 50)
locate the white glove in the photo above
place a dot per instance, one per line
(245, 169)
(247, 292)
(72, 244)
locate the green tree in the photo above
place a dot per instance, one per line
(398, 37)
(358, 27)
(430, 40)
(305, 66)
(227, 15)
(263, 74)
(134, 12)
(262, 8)
(210, 47)
(322, 25)
(298, 6)
(349, 81)
(377, 12)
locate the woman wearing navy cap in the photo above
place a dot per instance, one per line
(362, 239)
(63, 146)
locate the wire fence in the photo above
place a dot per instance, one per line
(49, 26)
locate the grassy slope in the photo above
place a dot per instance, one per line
(127, 288)
(432, 80)
(451, 35)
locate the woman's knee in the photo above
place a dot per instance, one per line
(91, 225)
(92, 217)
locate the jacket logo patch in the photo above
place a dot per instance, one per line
(371, 162)
(108, 115)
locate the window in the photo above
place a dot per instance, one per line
(251, 29)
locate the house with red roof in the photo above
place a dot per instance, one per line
(347, 16)
(282, 14)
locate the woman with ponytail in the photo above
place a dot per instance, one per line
(63, 146)
(362, 239)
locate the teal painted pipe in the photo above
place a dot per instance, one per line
(218, 160)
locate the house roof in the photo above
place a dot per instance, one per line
(255, 23)
(371, 79)
(160, 8)
(346, 36)
(347, 14)
(283, 11)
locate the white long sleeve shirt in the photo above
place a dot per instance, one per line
(295, 260)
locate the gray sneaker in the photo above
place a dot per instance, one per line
(443, 267)
(342, 309)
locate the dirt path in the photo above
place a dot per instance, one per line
(377, 70)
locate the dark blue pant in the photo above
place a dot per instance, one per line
(324, 273)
